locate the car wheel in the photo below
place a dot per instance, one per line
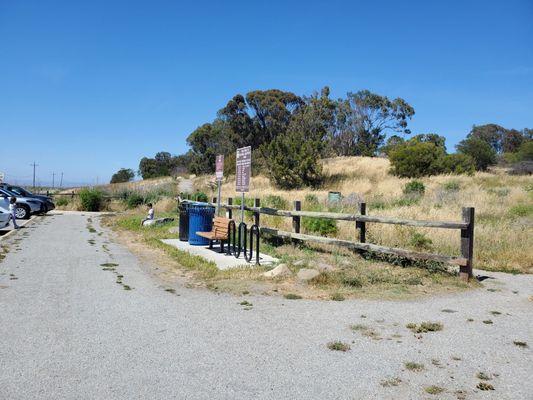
(22, 211)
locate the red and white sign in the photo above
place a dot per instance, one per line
(219, 167)
(244, 169)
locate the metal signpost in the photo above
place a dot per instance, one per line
(242, 179)
(219, 172)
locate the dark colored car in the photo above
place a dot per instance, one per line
(20, 191)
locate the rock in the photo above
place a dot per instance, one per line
(158, 221)
(280, 270)
(323, 267)
(306, 274)
(299, 263)
(174, 229)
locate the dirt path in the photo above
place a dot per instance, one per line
(71, 329)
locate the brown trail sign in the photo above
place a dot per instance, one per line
(219, 173)
(244, 166)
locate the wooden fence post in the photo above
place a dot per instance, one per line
(296, 220)
(257, 203)
(230, 211)
(467, 243)
(361, 225)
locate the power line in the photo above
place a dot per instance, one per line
(61, 182)
(53, 180)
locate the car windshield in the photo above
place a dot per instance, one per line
(20, 191)
(7, 192)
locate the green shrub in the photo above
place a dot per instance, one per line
(294, 158)
(134, 200)
(414, 187)
(248, 202)
(420, 241)
(521, 210)
(200, 196)
(61, 202)
(452, 186)
(416, 159)
(322, 226)
(458, 164)
(91, 199)
(406, 201)
(274, 201)
(311, 200)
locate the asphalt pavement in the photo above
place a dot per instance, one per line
(82, 319)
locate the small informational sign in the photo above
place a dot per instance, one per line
(219, 167)
(244, 169)
(2, 177)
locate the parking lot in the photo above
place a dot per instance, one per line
(83, 317)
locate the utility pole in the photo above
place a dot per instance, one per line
(53, 180)
(34, 165)
(61, 181)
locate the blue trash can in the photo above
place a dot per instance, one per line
(200, 220)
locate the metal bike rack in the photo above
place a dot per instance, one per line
(237, 241)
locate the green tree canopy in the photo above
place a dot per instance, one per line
(123, 175)
(480, 150)
(163, 164)
(364, 119)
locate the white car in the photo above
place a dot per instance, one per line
(4, 212)
(4, 218)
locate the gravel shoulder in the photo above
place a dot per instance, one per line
(70, 331)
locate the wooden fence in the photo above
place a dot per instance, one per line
(465, 226)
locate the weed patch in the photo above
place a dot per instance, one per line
(483, 376)
(292, 296)
(412, 366)
(484, 386)
(433, 390)
(337, 297)
(391, 382)
(338, 346)
(425, 327)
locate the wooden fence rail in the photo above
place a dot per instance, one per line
(466, 227)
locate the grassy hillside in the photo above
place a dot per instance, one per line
(504, 209)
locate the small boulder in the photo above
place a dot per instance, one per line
(323, 267)
(299, 263)
(306, 274)
(279, 271)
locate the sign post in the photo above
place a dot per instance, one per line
(242, 179)
(219, 172)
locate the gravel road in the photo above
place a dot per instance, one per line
(69, 331)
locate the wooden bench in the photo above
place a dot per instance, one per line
(219, 232)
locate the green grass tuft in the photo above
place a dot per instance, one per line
(338, 346)
(292, 296)
(412, 366)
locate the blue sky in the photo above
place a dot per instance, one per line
(89, 87)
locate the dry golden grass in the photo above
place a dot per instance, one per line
(504, 203)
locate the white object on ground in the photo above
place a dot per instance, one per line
(306, 274)
(279, 271)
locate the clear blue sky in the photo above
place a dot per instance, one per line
(89, 87)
